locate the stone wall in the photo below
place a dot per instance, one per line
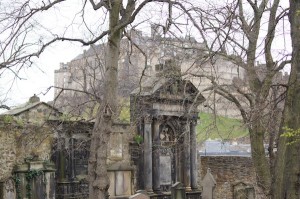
(37, 115)
(7, 154)
(20, 142)
(229, 171)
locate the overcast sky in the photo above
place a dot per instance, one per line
(65, 20)
(38, 78)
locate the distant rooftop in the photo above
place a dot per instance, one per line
(33, 102)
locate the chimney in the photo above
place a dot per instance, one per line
(169, 69)
(34, 99)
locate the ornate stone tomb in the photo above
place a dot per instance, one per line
(165, 111)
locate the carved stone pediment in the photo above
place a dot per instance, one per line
(177, 90)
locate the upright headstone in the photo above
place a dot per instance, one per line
(7, 189)
(178, 191)
(209, 185)
(36, 180)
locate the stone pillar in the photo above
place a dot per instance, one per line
(61, 160)
(187, 157)
(72, 159)
(156, 155)
(193, 144)
(42, 182)
(180, 159)
(61, 165)
(148, 153)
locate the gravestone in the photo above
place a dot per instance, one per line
(7, 189)
(209, 185)
(178, 191)
(36, 180)
(243, 191)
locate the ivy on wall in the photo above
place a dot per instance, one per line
(30, 177)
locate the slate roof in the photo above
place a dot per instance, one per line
(25, 107)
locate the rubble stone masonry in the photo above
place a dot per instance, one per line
(228, 171)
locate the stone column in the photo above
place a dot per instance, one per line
(61, 159)
(155, 155)
(148, 153)
(193, 144)
(72, 162)
(187, 157)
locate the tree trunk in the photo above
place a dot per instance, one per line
(260, 161)
(287, 185)
(291, 189)
(97, 170)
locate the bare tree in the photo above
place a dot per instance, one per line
(286, 183)
(18, 48)
(233, 31)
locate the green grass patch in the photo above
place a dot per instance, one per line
(125, 111)
(219, 127)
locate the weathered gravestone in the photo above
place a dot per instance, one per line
(242, 190)
(7, 189)
(35, 179)
(209, 185)
(178, 191)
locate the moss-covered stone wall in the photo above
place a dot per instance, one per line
(18, 142)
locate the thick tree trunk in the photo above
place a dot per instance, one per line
(291, 178)
(287, 184)
(260, 161)
(97, 170)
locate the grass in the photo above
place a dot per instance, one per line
(223, 128)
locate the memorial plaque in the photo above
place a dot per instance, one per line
(165, 170)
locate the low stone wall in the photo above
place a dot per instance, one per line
(229, 171)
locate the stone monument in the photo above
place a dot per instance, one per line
(165, 112)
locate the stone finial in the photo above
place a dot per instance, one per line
(34, 99)
(148, 118)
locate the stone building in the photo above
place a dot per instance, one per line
(36, 134)
(85, 72)
(25, 150)
(71, 147)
